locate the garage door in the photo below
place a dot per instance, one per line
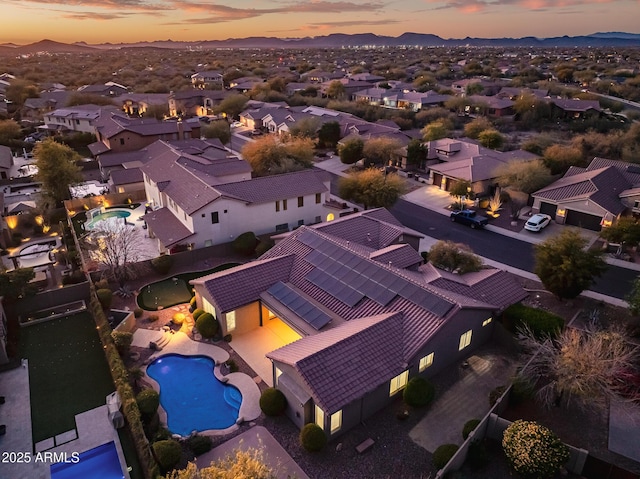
(548, 209)
(584, 220)
(437, 179)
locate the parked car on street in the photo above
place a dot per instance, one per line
(537, 222)
(470, 218)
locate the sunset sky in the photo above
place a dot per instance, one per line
(98, 21)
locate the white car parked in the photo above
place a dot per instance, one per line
(537, 222)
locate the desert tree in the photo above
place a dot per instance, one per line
(416, 153)
(559, 158)
(371, 188)
(219, 129)
(350, 151)
(588, 366)
(380, 151)
(269, 155)
(454, 257)
(240, 464)
(306, 128)
(232, 105)
(57, 170)
(491, 138)
(9, 130)
(525, 176)
(336, 90)
(436, 130)
(117, 246)
(563, 265)
(625, 231)
(477, 126)
(461, 189)
(329, 134)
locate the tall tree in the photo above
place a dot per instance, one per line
(219, 129)
(379, 151)
(15, 284)
(563, 265)
(416, 153)
(336, 90)
(270, 155)
(371, 188)
(625, 231)
(491, 139)
(525, 176)
(232, 106)
(329, 134)
(9, 130)
(350, 151)
(57, 170)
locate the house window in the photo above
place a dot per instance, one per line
(284, 205)
(336, 421)
(398, 383)
(486, 321)
(300, 201)
(282, 227)
(318, 198)
(425, 362)
(277, 206)
(121, 141)
(214, 218)
(300, 222)
(465, 340)
(320, 417)
(120, 189)
(230, 317)
(318, 219)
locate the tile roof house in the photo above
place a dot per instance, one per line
(207, 80)
(80, 118)
(575, 108)
(202, 199)
(136, 104)
(110, 89)
(491, 105)
(591, 197)
(6, 161)
(452, 160)
(366, 325)
(197, 102)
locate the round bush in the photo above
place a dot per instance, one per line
(105, 296)
(200, 444)
(122, 341)
(313, 438)
(178, 318)
(245, 244)
(153, 318)
(168, 454)
(162, 264)
(419, 392)
(533, 450)
(468, 427)
(148, 401)
(197, 313)
(443, 454)
(207, 325)
(102, 284)
(273, 402)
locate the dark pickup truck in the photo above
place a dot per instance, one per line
(469, 217)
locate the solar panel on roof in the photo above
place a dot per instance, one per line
(339, 290)
(306, 311)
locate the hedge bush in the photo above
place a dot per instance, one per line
(199, 444)
(540, 322)
(313, 438)
(533, 450)
(162, 264)
(148, 401)
(468, 427)
(168, 453)
(197, 313)
(122, 340)
(419, 392)
(105, 296)
(273, 402)
(443, 454)
(207, 325)
(245, 244)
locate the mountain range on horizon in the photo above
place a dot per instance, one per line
(336, 40)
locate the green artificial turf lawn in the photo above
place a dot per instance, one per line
(68, 372)
(170, 292)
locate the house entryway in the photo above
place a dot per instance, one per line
(254, 345)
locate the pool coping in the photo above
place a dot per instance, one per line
(181, 344)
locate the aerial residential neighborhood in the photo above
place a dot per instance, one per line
(320, 260)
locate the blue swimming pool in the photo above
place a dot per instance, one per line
(106, 215)
(193, 398)
(98, 463)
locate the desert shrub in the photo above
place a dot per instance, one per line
(148, 401)
(540, 322)
(105, 296)
(477, 455)
(207, 325)
(168, 454)
(469, 426)
(153, 318)
(138, 312)
(199, 444)
(178, 318)
(162, 264)
(533, 450)
(273, 402)
(245, 244)
(102, 284)
(122, 340)
(443, 454)
(419, 392)
(495, 394)
(197, 313)
(312, 438)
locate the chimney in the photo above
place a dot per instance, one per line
(180, 130)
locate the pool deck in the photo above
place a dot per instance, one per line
(93, 428)
(180, 343)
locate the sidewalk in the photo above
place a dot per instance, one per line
(438, 200)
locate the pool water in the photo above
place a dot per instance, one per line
(106, 215)
(193, 398)
(98, 463)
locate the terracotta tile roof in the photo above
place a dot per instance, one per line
(276, 187)
(492, 101)
(167, 228)
(126, 176)
(343, 364)
(630, 171)
(575, 104)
